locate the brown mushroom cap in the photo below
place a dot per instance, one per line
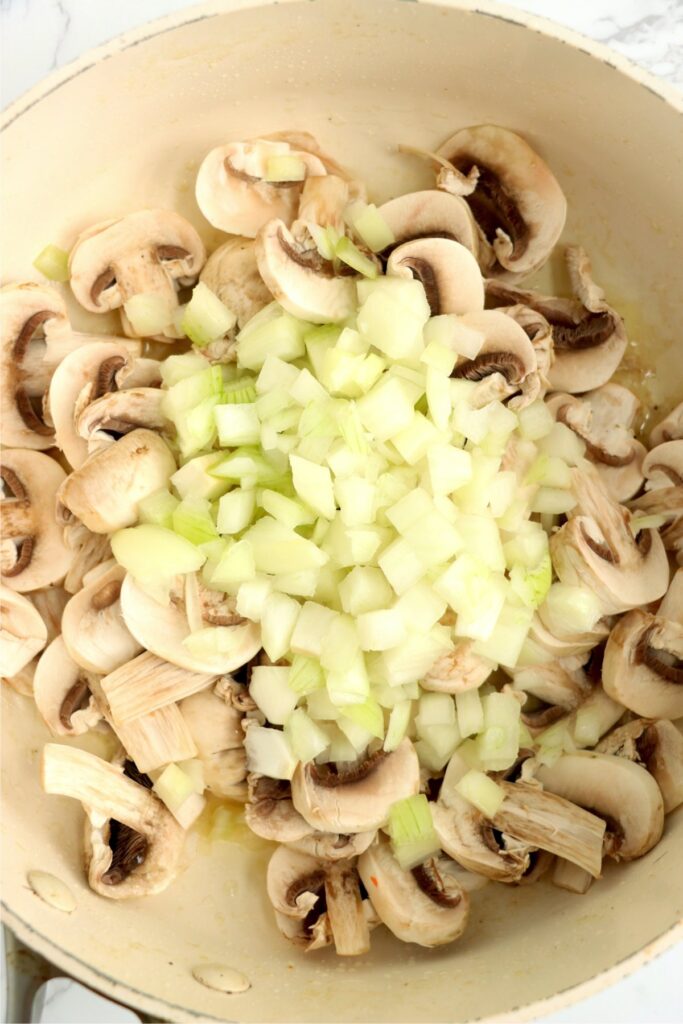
(447, 270)
(33, 551)
(506, 365)
(149, 252)
(231, 272)
(431, 214)
(25, 310)
(517, 201)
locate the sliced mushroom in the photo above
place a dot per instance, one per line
(214, 723)
(88, 551)
(300, 279)
(431, 214)
(225, 774)
(231, 272)
(458, 670)
(471, 840)
(162, 629)
(108, 418)
(643, 665)
(271, 814)
(658, 746)
(426, 905)
(596, 548)
(506, 364)
(233, 194)
(517, 201)
(355, 797)
(332, 846)
(448, 271)
(93, 629)
(133, 843)
(62, 692)
(540, 334)
(150, 252)
(663, 469)
(299, 140)
(33, 552)
(604, 420)
(558, 687)
(622, 793)
(323, 201)
(668, 429)
(50, 604)
(25, 310)
(545, 645)
(551, 823)
(317, 902)
(22, 632)
(105, 491)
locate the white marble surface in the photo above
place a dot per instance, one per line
(40, 35)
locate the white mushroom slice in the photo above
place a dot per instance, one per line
(658, 746)
(604, 420)
(668, 429)
(663, 469)
(62, 693)
(139, 373)
(517, 201)
(108, 418)
(506, 364)
(643, 665)
(33, 552)
(270, 813)
(447, 270)
(22, 681)
(431, 214)
(323, 200)
(225, 774)
(133, 843)
(105, 491)
(355, 797)
(50, 604)
(231, 272)
(551, 823)
(559, 687)
(543, 645)
(162, 630)
(471, 840)
(540, 334)
(458, 670)
(300, 279)
(232, 193)
(426, 906)
(22, 632)
(332, 846)
(296, 884)
(88, 551)
(147, 683)
(214, 723)
(94, 632)
(150, 252)
(25, 310)
(84, 375)
(622, 793)
(596, 548)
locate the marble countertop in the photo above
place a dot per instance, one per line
(40, 35)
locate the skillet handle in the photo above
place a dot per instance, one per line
(26, 971)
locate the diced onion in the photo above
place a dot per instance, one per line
(53, 263)
(206, 318)
(413, 837)
(481, 791)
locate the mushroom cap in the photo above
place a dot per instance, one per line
(642, 665)
(93, 629)
(431, 214)
(604, 420)
(658, 746)
(110, 417)
(426, 906)
(232, 193)
(295, 883)
(105, 491)
(22, 632)
(597, 549)
(232, 273)
(357, 799)
(323, 201)
(61, 692)
(517, 202)
(549, 647)
(448, 271)
(332, 846)
(466, 836)
(25, 309)
(300, 279)
(663, 465)
(162, 629)
(82, 376)
(225, 773)
(214, 724)
(145, 252)
(270, 813)
(561, 686)
(668, 429)
(33, 554)
(623, 793)
(458, 670)
(88, 552)
(506, 364)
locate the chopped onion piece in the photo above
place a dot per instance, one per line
(235, 511)
(278, 620)
(369, 224)
(237, 424)
(285, 168)
(53, 263)
(350, 254)
(314, 486)
(269, 752)
(481, 791)
(269, 687)
(410, 826)
(149, 313)
(235, 566)
(252, 597)
(157, 509)
(281, 336)
(153, 553)
(206, 318)
(306, 738)
(305, 675)
(399, 720)
(192, 519)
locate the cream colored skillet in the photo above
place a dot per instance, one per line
(123, 129)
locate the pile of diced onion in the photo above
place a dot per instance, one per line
(360, 505)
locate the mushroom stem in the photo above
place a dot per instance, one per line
(147, 683)
(552, 823)
(345, 909)
(99, 785)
